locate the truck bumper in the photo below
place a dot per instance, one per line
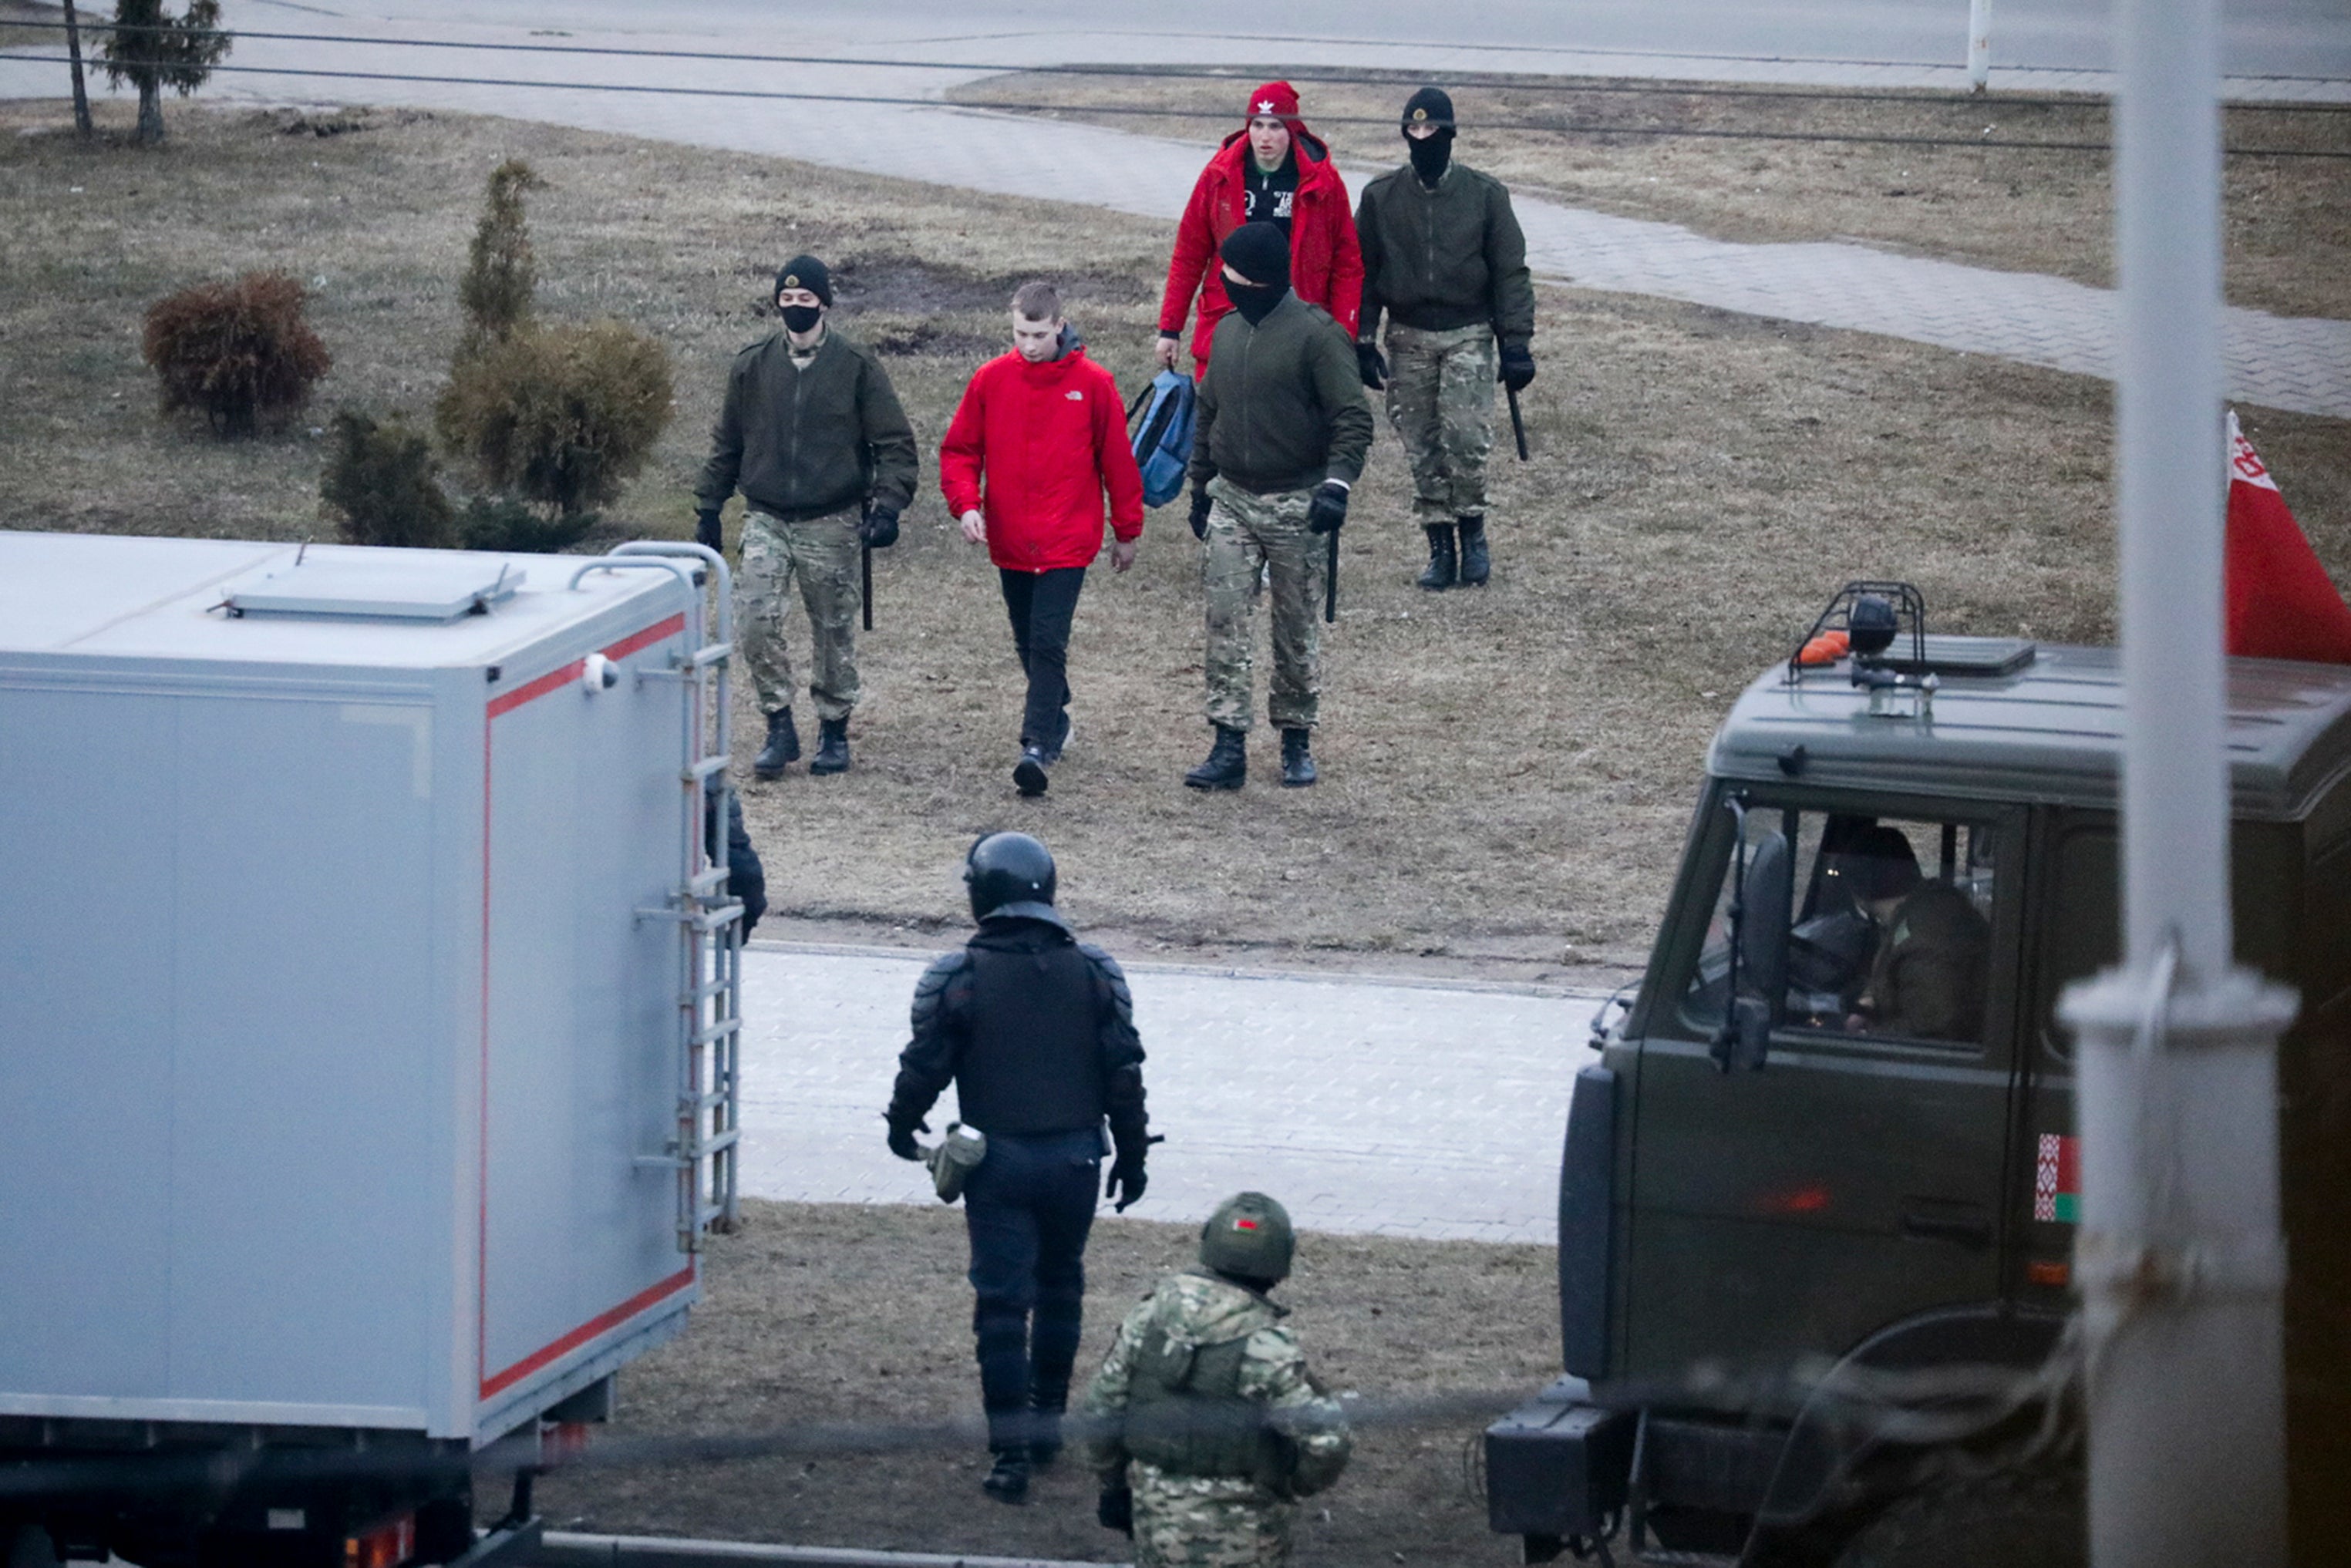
(1557, 1466)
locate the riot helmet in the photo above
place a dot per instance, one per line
(1249, 1239)
(1010, 874)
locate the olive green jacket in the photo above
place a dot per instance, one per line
(1281, 407)
(803, 443)
(1444, 258)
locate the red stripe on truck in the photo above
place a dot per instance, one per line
(588, 1330)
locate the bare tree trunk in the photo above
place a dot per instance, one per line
(73, 51)
(151, 110)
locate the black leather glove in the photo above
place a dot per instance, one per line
(1126, 1182)
(1517, 366)
(1116, 1510)
(1199, 514)
(901, 1137)
(705, 529)
(880, 527)
(1328, 513)
(1373, 364)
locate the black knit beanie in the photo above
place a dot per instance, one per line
(1259, 252)
(805, 272)
(1430, 105)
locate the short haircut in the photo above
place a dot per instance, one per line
(1037, 300)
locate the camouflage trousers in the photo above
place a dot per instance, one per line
(1253, 538)
(1441, 401)
(823, 554)
(1198, 1522)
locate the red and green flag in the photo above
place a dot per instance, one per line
(2057, 1180)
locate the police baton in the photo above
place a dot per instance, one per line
(1518, 421)
(1330, 582)
(865, 565)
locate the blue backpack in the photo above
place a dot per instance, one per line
(1163, 435)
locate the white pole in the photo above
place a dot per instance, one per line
(1980, 43)
(2180, 1261)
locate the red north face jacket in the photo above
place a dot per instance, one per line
(1326, 265)
(1034, 448)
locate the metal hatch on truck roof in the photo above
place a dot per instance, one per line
(433, 590)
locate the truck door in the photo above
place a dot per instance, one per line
(1852, 1177)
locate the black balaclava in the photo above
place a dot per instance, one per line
(804, 272)
(1430, 154)
(1260, 253)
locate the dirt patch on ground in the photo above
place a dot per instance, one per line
(824, 1314)
(1508, 773)
(1839, 165)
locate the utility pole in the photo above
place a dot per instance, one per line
(2180, 1261)
(1979, 45)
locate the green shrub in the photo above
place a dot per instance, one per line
(380, 477)
(503, 523)
(240, 351)
(501, 272)
(561, 415)
(153, 50)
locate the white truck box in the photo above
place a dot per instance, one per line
(342, 894)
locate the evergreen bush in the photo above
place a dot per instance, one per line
(380, 478)
(559, 415)
(503, 523)
(501, 271)
(239, 352)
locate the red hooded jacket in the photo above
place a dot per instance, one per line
(1034, 448)
(1326, 264)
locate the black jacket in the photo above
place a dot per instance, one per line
(1450, 258)
(1035, 1028)
(804, 443)
(1281, 407)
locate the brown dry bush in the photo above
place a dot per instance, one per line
(380, 477)
(240, 351)
(562, 415)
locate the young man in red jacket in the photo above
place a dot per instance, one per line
(1038, 441)
(1272, 170)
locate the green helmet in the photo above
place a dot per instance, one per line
(1249, 1235)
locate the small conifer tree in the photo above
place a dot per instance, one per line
(152, 50)
(501, 273)
(380, 478)
(559, 415)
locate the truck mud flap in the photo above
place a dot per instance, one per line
(1557, 1466)
(506, 1546)
(1587, 1202)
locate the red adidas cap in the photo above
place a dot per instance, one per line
(1275, 98)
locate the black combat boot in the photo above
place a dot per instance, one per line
(1475, 565)
(832, 746)
(1441, 564)
(783, 746)
(1297, 761)
(1226, 767)
(1008, 1480)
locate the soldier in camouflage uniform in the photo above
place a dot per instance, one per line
(1279, 436)
(1204, 1424)
(1443, 255)
(814, 435)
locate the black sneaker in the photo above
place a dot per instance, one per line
(1008, 1480)
(1028, 773)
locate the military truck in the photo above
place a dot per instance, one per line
(1818, 1199)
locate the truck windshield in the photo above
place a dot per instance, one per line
(1889, 933)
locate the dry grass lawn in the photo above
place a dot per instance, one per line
(859, 1317)
(2011, 208)
(1508, 772)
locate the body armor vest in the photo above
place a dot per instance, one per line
(1032, 1062)
(1185, 1413)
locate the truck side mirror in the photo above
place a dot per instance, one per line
(1758, 971)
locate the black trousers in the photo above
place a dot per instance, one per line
(1028, 1207)
(1041, 604)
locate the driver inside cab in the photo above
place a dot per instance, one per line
(1927, 978)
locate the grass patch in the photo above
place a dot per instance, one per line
(2022, 210)
(837, 1313)
(1508, 773)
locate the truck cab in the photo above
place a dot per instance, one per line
(1818, 1200)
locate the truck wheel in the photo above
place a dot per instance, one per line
(2016, 1521)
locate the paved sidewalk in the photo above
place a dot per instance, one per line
(1365, 1105)
(2299, 364)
